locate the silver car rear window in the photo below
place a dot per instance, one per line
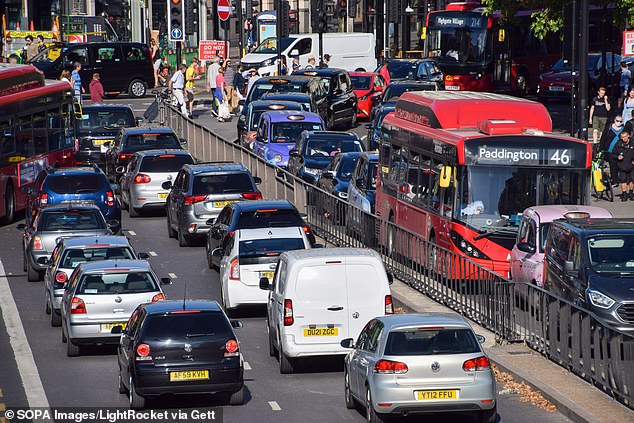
(431, 341)
(75, 256)
(117, 283)
(165, 163)
(229, 183)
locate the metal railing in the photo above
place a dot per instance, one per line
(516, 312)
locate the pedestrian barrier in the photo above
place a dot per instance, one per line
(516, 312)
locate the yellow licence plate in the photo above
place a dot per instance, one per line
(268, 275)
(321, 332)
(107, 327)
(444, 394)
(99, 142)
(189, 375)
(220, 204)
(162, 195)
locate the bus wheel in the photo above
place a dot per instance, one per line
(9, 205)
(137, 88)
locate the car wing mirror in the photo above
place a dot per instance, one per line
(319, 246)
(569, 268)
(347, 343)
(166, 281)
(210, 221)
(294, 153)
(265, 284)
(183, 141)
(526, 247)
(45, 261)
(166, 185)
(138, 121)
(257, 180)
(143, 256)
(481, 339)
(236, 324)
(112, 223)
(390, 278)
(21, 227)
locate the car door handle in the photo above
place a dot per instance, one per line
(335, 308)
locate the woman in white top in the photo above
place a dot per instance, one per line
(65, 76)
(628, 106)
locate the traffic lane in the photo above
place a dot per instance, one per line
(11, 390)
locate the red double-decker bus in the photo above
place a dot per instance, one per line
(459, 168)
(36, 130)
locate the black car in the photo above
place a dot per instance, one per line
(252, 215)
(248, 124)
(394, 90)
(98, 125)
(414, 70)
(132, 140)
(314, 151)
(590, 262)
(342, 101)
(179, 347)
(335, 180)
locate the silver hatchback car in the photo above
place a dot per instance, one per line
(141, 183)
(405, 364)
(69, 253)
(101, 295)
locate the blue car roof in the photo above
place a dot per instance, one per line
(147, 130)
(247, 206)
(287, 116)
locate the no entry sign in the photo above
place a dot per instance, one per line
(224, 9)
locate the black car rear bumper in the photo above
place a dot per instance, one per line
(151, 381)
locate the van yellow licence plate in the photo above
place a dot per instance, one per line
(100, 142)
(189, 375)
(321, 332)
(107, 327)
(220, 204)
(268, 275)
(162, 195)
(444, 394)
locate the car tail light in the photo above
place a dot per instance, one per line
(61, 278)
(252, 195)
(143, 352)
(37, 243)
(124, 156)
(43, 199)
(110, 198)
(234, 269)
(158, 297)
(142, 178)
(288, 313)
(77, 306)
(193, 199)
(479, 363)
(232, 349)
(307, 230)
(390, 367)
(389, 306)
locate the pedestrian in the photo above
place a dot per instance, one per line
(14, 59)
(610, 137)
(96, 89)
(624, 152)
(177, 86)
(190, 78)
(253, 76)
(384, 72)
(296, 65)
(311, 62)
(155, 53)
(624, 83)
(30, 50)
(248, 30)
(628, 106)
(40, 43)
(239, 82)
(78, 88)
(229, 74)
(212, 73)
(221, 96)
(283, 66)
(599, 115)
(325, 61)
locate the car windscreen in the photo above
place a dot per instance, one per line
(74, 256)
(346, 168)
(48, 55)
(110, 119)
(75, 184)
(269, 45)
(258, 90)
(612, 253)
(270, 246)
(397, 90)
(229, 183)
(401, 70)
(285, 132)
(271, 218)
(165, 163)
(150, 141)
(71, 220)
(432, 341)
(184, 325)
(360, 82)
(317, 148)
(117, 283)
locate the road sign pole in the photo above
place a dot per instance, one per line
(179, 58)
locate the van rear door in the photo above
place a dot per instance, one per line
(320, 306)
(366, 291)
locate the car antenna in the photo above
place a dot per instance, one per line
(184, 293)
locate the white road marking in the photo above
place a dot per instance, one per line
(132, 233)
(172, 275)
(152, 253)
(31, 381)
(247, 366)
(363, 138)
(275, 406)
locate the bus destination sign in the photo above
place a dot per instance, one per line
(458, 21)
(526, 155)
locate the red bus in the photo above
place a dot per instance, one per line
(36, 130)
(502, 158)
(477, 52)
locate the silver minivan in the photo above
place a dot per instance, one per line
(101, 295)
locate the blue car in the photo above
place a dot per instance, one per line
(279, 131)
(374, 128)
(335, 180)
(55, 186)
(362, 196)
(315, 150)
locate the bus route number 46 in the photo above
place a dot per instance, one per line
(560, 157)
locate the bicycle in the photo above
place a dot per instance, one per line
(158, 107)
(601, 181)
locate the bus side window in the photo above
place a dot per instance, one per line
(395, 165)
(7, 142)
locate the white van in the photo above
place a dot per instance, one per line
(319, 297)
(352, 51)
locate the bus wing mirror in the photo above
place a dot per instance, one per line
(445, 176)
(77, 109)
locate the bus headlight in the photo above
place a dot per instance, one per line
(466, 247)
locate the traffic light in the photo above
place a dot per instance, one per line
(284, 17)
(316, 8)
(175, 20)
(191, 17)
(392, 10)
(352, 8)
(341, 9)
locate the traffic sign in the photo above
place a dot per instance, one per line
(224, 9)
(177, 34)
(208, 49)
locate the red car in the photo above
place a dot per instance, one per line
(366, 85)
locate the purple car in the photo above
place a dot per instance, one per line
(278, 131)
(527, 256)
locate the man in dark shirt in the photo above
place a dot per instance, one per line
(624, 152)
(599, 109)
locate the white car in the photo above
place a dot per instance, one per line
(250, 255)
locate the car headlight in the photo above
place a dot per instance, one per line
(277, 158)
(466, 247)
(342, 194)
(599, 300)
(311, 171)
(267, 62)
